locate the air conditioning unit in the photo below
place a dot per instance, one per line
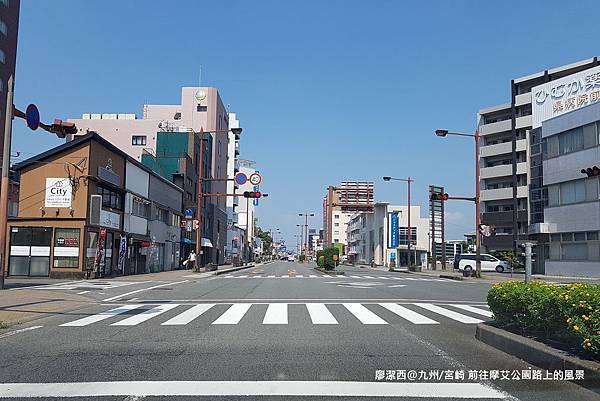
(95, 206)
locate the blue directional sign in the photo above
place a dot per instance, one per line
(255, 201)
(32, 115)
(393, 230)
(189, 213)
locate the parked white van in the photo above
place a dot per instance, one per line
(489, 263)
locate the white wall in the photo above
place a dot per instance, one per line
(136, 179)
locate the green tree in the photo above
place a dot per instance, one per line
(265, 236)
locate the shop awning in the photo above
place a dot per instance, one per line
(206, 243)
(187, 241)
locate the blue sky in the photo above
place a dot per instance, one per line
(325, 91)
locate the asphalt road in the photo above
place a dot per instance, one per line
(269, 333)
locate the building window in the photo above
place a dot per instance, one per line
(162, 215)
(6, 3)
(140, 208)
(66, 248)
(3, 28)
(138, 140)
(175, 220)
(403, 235)
(336, 240)
(336, 224)
(201, 108)
(336, 232)
(110, 198)
(574, 251)
(566, 193)
(337, 216)
(177, 116)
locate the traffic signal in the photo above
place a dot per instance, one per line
(252, 194)
(63, 128)
(439, 197)
(591, 171)
(195, 224)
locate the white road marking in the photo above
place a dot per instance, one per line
(355, 276)
(83, 292)
(271, 276)
(471, 309)
(143, 289)
(345, 389)
(449, 314)
(299, 275)
(233, 315)
(12, 333)
(313, 276)
(100, 316)
(363, 314)
(276, 314)
(396, 286)
(319, 314)
(145, 315)
(244, 276)
(368, 277)
(285, 276)
(188, 315)
(408, 314)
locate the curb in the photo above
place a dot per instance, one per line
(233, 269)
(329, 274)
(448, 276)
(538, 354)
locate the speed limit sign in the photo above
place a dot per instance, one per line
(255, 179)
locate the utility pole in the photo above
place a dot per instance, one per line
(4, 186)
(199, 200)
(247, 230)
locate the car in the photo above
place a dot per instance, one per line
(488, 263)
(290, 258)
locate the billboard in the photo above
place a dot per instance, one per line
(560, 96)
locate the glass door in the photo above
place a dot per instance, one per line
(29, 253)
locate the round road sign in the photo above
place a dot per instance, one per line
(255, 179)
(241, 178)
(32, 115)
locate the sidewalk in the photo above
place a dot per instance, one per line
(22, 305)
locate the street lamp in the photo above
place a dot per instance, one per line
(443, 133)
(237, 132)
(305, 246)
(409, 228)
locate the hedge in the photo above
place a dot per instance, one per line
(566, 313)
(325, 258)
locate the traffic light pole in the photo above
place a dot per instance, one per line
(477, 210)
(4, 186)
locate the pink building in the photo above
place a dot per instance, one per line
(201, 108)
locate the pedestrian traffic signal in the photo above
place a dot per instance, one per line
(591, 171)
(439, 197)
(252, 194)
(195, 224)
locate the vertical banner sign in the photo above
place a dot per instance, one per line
(99, 260)
(255, 201)
(393, 230)
(122, 253)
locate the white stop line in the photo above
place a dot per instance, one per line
(251, 388)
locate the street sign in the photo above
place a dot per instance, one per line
(188, 225)
(255, 201)
(255, 179)
(32, 115)
(189, 213)
(241, 178)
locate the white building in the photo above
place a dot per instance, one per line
(378, 236)
(235, 234)
(340, 226)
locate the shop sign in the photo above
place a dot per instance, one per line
(58, 192)
(560, 96)
(393, 230)
(110, 219)
(66, 251)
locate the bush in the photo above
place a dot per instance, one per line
(325, 258)
(301, 258)
(570, 313)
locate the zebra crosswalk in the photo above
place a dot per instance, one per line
(313, 276)
(319, 313)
